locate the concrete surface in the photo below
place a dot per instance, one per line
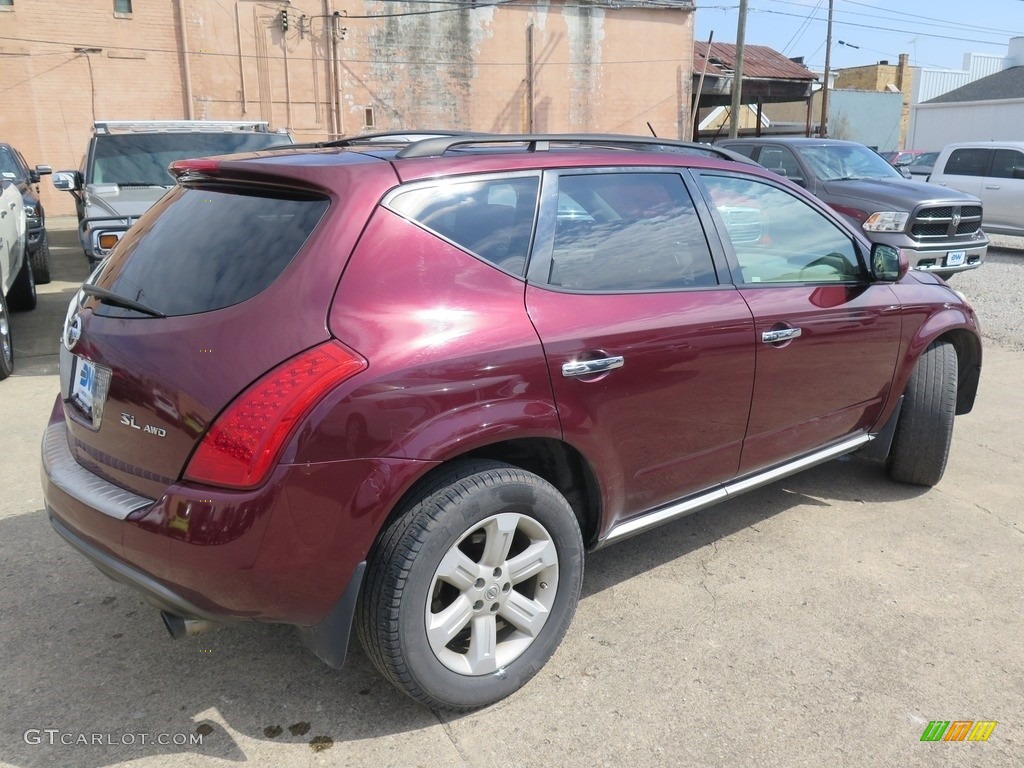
(821, 621)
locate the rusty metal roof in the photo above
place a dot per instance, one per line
(759, 61)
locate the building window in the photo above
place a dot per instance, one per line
(123, 6)
(368, 120)
(5, 4)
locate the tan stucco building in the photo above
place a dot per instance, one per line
(323, 68)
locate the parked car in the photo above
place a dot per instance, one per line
(900, 157)
(939, 229)
(17, 286)
(125, 169)
(14, 168)
(921, 166)
(992, 170)
(430, 377)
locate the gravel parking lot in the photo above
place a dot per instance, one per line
(997, 292)
(824, 620)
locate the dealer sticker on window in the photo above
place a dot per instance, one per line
(84, 385)
(956, 258)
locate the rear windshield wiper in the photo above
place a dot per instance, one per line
(116, 300)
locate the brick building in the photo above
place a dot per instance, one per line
(321, 68)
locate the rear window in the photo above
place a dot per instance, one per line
(142, 159)
(203, 248)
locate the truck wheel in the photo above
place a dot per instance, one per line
(920, 446)
(23, 293)
(41, 261)
(6, 341)
(471, 587)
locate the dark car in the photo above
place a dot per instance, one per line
(13, 168)
(409, 387)
(920, 167)
(939, 229)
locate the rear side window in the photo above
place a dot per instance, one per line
(205, 248)
(968, 162)
(628, 232)
(492, 218)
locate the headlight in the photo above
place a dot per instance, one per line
(32, 213)
(886, 221)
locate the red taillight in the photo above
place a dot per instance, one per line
(243, 444)
(195, 165)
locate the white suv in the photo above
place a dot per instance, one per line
(993, 171)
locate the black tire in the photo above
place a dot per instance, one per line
(453, 518)
(6, 341)
(41, 261)
(23, 293)
(920, 445)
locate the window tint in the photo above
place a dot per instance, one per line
(142, 159)
(777, 237)
(1004, 161)
(491, 218)
(968, 162)
(626, 232)
(743, 149)
(204, 248)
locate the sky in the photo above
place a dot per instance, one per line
(935, 33)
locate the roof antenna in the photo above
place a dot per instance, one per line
(651, 129)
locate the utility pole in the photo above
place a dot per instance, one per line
(823, 129)
(737, 75)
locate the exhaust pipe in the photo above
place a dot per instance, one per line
(180, 628)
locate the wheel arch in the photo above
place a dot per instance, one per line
(553, 460)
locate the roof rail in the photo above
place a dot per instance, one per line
(541, 142)
(150, 126)
(397, 137)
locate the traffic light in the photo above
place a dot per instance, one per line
(284, 20)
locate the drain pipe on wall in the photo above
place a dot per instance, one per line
(186, 70)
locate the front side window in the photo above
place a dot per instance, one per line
(628, 232)
(782, 161)
(492, 218)
(779, 238)
(968, 162)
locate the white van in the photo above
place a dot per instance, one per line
(993, 171)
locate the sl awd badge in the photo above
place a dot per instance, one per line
(129, 421)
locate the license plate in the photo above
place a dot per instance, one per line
(83, 388)
(956, 258)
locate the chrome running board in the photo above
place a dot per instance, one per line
(661, 515)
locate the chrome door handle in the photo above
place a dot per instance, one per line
(991, 186)
(783, 334)
(590, 367)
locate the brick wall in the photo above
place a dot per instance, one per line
(467, 69)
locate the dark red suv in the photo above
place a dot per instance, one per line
(407, 387)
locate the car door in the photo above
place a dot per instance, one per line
(651, 358)
(1002, 192)
(964, 169)
(827, 338)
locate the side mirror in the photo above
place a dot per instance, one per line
(1018, 172)
(905, 172)
(67, 181)
(780, 172)
(44, 170)
(888, 264)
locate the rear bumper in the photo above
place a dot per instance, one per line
(289, 552)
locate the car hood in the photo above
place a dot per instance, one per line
(112, 200)
(893, 194)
